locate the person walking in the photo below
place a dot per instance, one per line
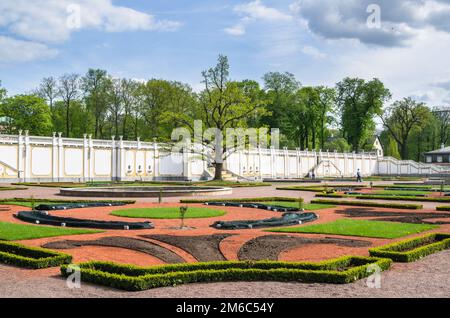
(358, 176)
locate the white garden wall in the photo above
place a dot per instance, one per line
(27, 158)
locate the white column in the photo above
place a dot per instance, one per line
(157, 160)
(120, 160)
(60, 156)
(297, 162)
(91, 158)
(85, 158)
(260, 162)
(286, 162)
(273, 162)
(54, 158)
(186, 163)
(113, 159)
(27, 155)
(20, 157)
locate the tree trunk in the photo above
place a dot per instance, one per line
(404, 151)
(67, 120)
(218, 171)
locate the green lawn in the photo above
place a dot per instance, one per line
(168, 213)
(15, 232)
(306, 206)
(363, 228)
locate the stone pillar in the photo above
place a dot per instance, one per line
(156, 161)
(113, 159)
(260, 162)
(297, 162)
(186, 163)
(85, 158)
(286, 163)
(273, 162)
(91, 158)
(27, 155)
(55, 174)
(21, 157)
(60, 157)
(120, 174)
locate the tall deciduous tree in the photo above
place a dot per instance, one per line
(95, 85)
(68, 89)
(222, 104)
(359, 102)
(48, 90)
(27, 112)
(401, 118)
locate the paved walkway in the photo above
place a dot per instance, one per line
(429, 277)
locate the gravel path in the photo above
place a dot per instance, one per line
(429, 277)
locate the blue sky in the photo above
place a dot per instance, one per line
(320, 41)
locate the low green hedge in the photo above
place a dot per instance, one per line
(322, 187)
(370, 204)
(385, 197)
(443, 208)
(129, 277)
(31, 257)
(413, 249)
(403, 198)
(264, 199)
(64, 201)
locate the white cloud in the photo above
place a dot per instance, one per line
(314, 52)
(236, 30)
(51, 20)
(13, 50)
(255, 11)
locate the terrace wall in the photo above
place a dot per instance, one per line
(30, 158)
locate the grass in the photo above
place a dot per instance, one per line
(17, 232)
(306, 206)
(168, 213)
(364, 228)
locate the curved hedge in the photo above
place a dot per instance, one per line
(31, 257)
(128, 277)
(413, 249)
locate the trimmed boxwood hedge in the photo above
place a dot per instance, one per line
(443, 208)
(264, 199)
(370, 204)
(413, 249)
(385, 197)
(31, 257)
(65, 201)
(129, 277)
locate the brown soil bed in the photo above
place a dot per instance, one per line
(150, 248)
(204, 248)
(269, 247)
(403, 217)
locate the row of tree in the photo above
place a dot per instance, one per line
(339, 118)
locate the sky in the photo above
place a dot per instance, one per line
(404, 43)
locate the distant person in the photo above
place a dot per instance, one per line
(310, 175)
(358, 176)
(313, 175)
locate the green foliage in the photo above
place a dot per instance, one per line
(31, 257)
(26, 112)
(413, 249)
(371, 204)
(262, 199)
(443, 208)
(362, 228)
(359, 102)
(132, 278)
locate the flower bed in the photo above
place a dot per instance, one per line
(413, 249)
(128, 277)
(31, 257)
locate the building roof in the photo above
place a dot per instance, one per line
(445, 150)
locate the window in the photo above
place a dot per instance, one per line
(429, 159)
(439, 159)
